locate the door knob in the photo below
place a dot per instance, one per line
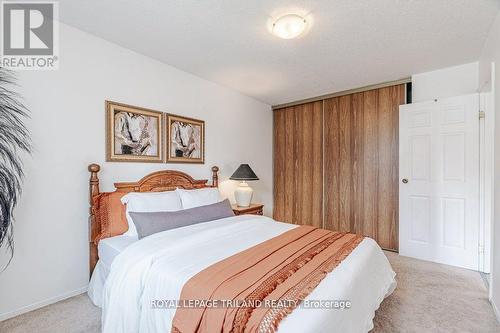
(405, 181)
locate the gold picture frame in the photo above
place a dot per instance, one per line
(185, 139)
(133, 134)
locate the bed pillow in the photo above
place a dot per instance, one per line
(150, 223)
(199, 197)
(149, 202)
(109, 214)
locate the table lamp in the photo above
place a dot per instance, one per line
(243, 193)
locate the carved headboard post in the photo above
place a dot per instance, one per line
(215, 176)
(93, 227)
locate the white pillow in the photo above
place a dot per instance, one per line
(168, 201)
(199, 197)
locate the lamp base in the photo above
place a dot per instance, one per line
(243, 195)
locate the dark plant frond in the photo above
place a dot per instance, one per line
(14, 138)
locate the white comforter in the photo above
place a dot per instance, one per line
(158, 266)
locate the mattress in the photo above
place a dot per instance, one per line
(109, 248)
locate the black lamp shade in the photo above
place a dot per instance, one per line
(244, 172)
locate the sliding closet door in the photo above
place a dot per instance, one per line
(298, 160)
(361, 163)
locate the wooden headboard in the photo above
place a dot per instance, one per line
(165, 180)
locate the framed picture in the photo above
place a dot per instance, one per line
(133, 134)
(185, 140)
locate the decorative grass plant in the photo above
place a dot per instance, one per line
(14, 139)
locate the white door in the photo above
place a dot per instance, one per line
(439, 181)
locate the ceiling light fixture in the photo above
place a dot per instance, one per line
(289, 26)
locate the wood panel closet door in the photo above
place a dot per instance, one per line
(361, 163)
(298, 164)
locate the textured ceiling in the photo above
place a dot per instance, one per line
(350, 43)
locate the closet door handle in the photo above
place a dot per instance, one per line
(405, 181)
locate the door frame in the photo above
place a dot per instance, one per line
(486, 170)
(487, 105)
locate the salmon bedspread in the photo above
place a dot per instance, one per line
(252, 291)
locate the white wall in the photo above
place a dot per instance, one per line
(446, 82)
(491, 54)
(67, 126)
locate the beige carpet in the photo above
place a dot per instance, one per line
(435, 298)
(429, 298)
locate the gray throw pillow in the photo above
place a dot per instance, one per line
(149, 223)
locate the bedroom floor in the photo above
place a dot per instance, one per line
(429, 298)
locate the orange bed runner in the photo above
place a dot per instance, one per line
(252, 291)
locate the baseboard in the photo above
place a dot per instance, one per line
(41, 304)
(495, 310)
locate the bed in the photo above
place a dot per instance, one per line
(132, 280)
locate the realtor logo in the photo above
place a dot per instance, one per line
(29, 35)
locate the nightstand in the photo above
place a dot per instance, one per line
(253, 209)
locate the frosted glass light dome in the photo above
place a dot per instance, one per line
(289, 26)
